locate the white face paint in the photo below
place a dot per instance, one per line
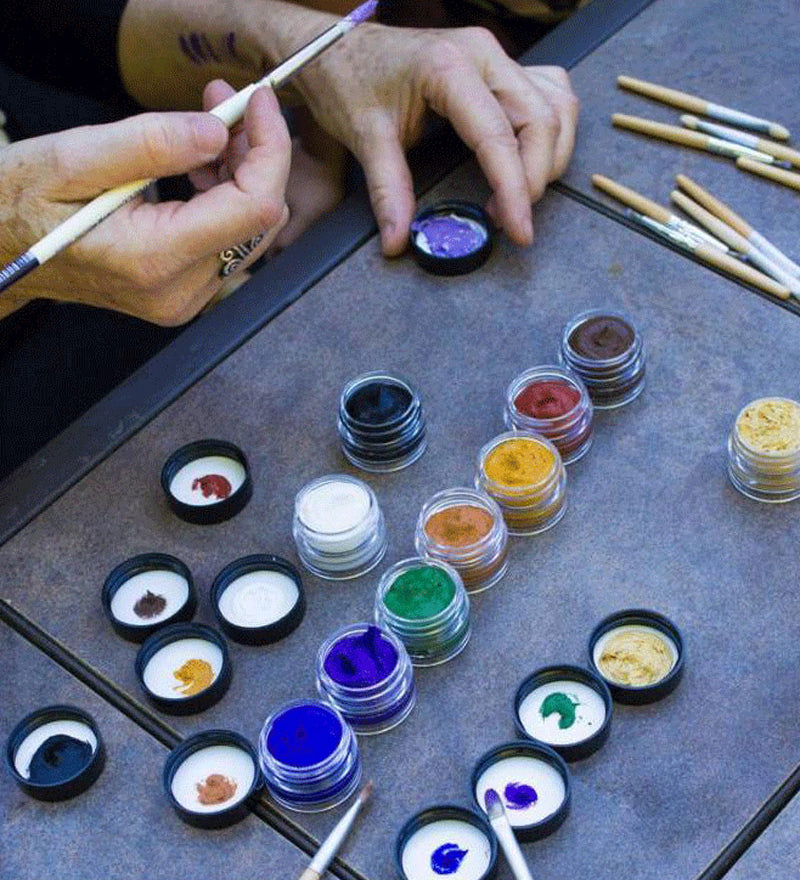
(521, 770)
(588, 707)
(424, 846)
(335, 515)
(185, 486)
(159, 673)
(28, 747)
(258, 598)
(235, 764)
(168, 584)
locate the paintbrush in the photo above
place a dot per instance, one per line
(229, 111)
(505, 834)
(323, 858)
(779, 175)
(779, 151)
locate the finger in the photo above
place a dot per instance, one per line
(455, 90)
(391, 189)
(91, 159)
(566, 104)
(215, 93)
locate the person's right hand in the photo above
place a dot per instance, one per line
(157, 261)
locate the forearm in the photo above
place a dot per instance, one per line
(170, 49)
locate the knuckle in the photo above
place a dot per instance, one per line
(482, 38)
(157, 138)
(270, 212)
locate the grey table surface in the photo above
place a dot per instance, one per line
(776, 852)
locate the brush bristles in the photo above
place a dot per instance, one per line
(494, 806)
(363, 12)
(365, 792)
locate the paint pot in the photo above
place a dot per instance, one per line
(55, 753)
(207, 482)
(764, 450)
(147, 592)
(606, 351)
(309, 756)
(448, 841)
(639, 654)
(424, 603)
(366, 673)
(211, 778)
(533, 781)
(258, 599)
(338, 527)
(566, 707)
(554, 403)
(524, 474)
(451, 237)
(465, 528)
(381, 423)
(184, 668)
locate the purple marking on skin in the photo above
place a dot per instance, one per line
(209, 48)
(448, 236)
(363, 12)
(520, 796)
(447, 858)
(230, 42)
(362, 660)
(197, 46)
(186, 50)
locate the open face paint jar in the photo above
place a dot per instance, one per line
(211, 777)
(147, 592)
(554, 403)
(258, 599)
(526, 477)
(184, 668)
(366, 673)
(338, 527)
(424, 603)
(606, 351)
(309, 756)
(533, 782)
(381, 423)
(764, 450)
(447, 841)
(55, 753)
(207, 482)
(451, 237)
(567, 708)
(465, 528)
(639, 654)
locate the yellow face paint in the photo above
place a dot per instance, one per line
(770, 425)
(519, 463)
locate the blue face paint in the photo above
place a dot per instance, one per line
(362, 660)
(519, 796)
(58, 758)
(304, 735)
(447, 858)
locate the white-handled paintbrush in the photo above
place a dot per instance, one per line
(325, 854)
(505, 835)
(229, 111)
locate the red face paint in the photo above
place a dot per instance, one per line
(212, 484)
(547, 399)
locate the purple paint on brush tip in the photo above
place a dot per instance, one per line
(491, 798)
(520, 796)
(363, 12)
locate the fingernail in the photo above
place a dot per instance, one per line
(210, 134)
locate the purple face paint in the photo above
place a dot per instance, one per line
(520, 796)
(186, 49)
(304, 735)
(361, 660)
(446, 235)
(447, 858)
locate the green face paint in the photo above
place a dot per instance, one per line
(562, 705)
(419, 593)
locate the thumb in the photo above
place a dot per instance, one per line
(94, 158)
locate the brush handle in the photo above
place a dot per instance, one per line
(779, 175)
(310, 874)
(513, 854)
(714, 205)
(631, 198)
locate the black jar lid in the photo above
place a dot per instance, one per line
(526, 749)
(30, 735)
(644, 619)
(207, 485)
(152, 614)
(440, 813)
(187, 768)
(574, 751)
(471, 215)
(160, 683)
(257, 633)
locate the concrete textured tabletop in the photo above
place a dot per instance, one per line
(652, 522)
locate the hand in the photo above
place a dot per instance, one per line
(155, 261)
(372, 92)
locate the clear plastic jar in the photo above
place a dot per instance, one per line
(606, 351)
(381, 423)
(432, 632)
(765, 466)
(338, 527)
(466, 529)
(309, 786)
(379, 695)
(569, 427)
(524, 474)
